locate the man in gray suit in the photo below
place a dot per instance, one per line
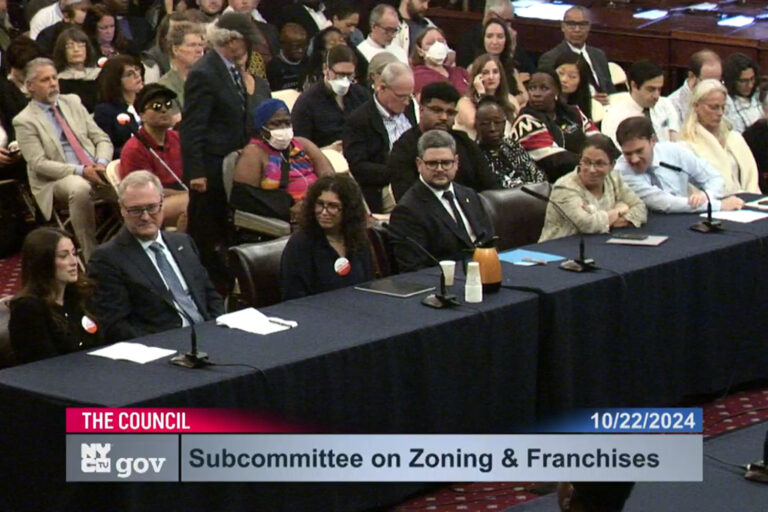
(66, 152)
(575, 27)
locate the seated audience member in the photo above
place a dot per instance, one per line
(385, 25)
(106, 37)
(321, 111)
(593, 196)
(275, 170)
(344, 16)
(49, 315)
(741, 76)
(256, 88)
(46, 17)
(75, 62)
(472, 43)
(186, 42)
(135, 29)
(446, 218)
(438, 112)
(374, 127)
(289, 68)
(570, 68)
(429, 60)
(375, 67)
(661, 173)
(709, 135)
(156, 58)
(120, 80)
(148, 280)
(154, 103)
(211, 8)
(318, 52)
(265, 41)
(702, 65)
(330, 250)
(498, 41)
(646, 80)
(756, 136)
(575, 26)
(487, 78)
(552, 132)
(73, 16)
(593, 496)
(508, 162)
(310, 14)
(64, 168)
(412, 22)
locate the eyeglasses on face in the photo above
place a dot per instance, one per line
(432, 165)
(74, 45)
(576, 24)
(331, 207)
(599, 165)
(158, 106)
(390, 31)
(138, 211)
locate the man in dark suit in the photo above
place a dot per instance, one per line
(438, 112)
(575, 27)
(146, 280)
(446, 218)
(212, 126)
(374, 127)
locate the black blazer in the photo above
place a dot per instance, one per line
(422, 217)
(366, 148)
(105, 115)
(214, 119)
(131, 299)
(596, 55)
(295, 13)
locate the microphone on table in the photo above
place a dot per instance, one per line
(193, 358)
(435, 300)
(125, 120)
(705, 226)
(582, 263)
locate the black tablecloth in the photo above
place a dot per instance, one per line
(357, 362)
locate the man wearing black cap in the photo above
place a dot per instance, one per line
(154, 103)
(213, 125)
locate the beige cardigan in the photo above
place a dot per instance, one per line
(706, 146)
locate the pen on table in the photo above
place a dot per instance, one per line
(533, 260)
(280, 322)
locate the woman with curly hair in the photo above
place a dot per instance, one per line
(741, 78)
(330, 250)
(49, 316)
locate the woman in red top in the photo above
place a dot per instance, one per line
(154, 104)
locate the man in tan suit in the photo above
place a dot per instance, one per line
(66, 152)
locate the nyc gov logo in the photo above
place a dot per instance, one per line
(94, 457)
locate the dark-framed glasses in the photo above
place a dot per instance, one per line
(138, 211)
(432, 165)
(330, 206)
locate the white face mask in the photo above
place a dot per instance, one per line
(280, 139)
(438, 52)
(340, 86)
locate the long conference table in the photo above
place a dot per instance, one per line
(650, 327)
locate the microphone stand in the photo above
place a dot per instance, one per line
(582, 264)
(705, 226)
(436, 300)
(193, 358)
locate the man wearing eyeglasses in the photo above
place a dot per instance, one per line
(438, 112)
(575, 26)
(385, 25)
(445, 218)
(148, 280)
(154, 103)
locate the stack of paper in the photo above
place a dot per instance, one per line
(135, 352)
(252, 320)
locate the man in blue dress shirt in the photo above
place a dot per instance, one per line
(661, 173)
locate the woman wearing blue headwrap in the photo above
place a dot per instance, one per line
(274, 171)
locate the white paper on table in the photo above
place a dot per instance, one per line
(650, 240)
(253, 320)
(743, 216)
(704, 6)
(134, 352)
(736, 21)
(553, 12)
(652, 14)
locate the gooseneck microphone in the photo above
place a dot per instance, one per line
(705, 226)
(125, 120)
(581, 264)
(436, 300)
(193, 358)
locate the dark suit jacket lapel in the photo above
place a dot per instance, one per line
(470, 211)
(145, 269)
(220, 68)
(434, 205)
(183, 254)
(376, 121)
